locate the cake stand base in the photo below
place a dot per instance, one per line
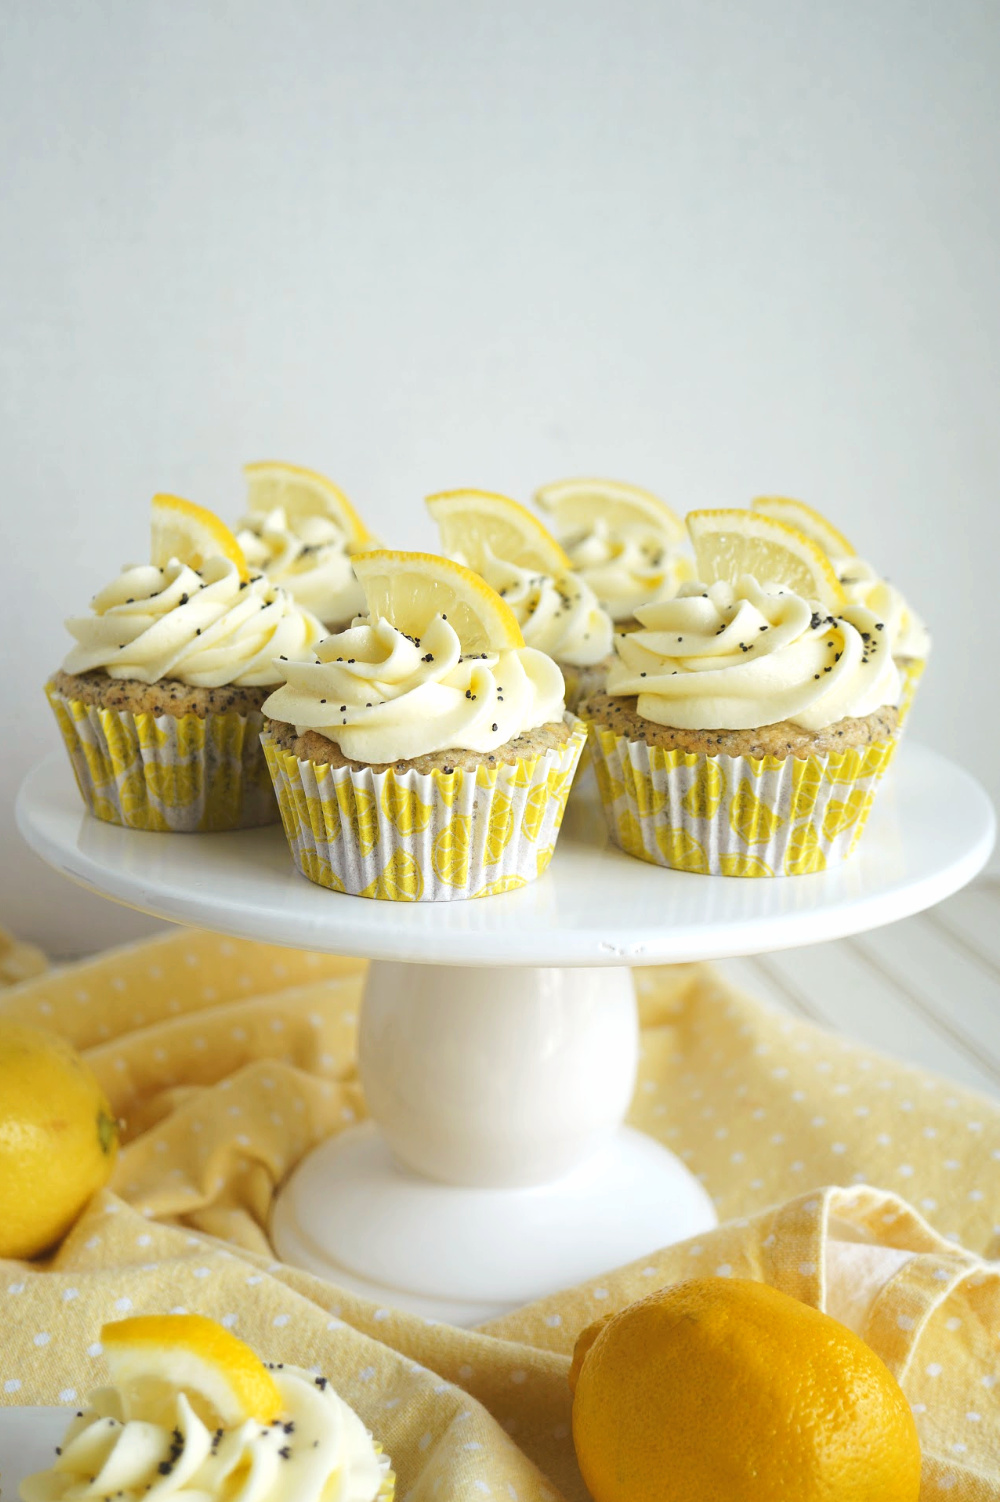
(355, 1216)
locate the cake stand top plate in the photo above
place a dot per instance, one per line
(930, 832)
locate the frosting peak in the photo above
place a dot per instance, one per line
(626, 569)
(310, 560)
(907, 634)
(558, 613)
(736, 657)
(383, 696)
(205, 628)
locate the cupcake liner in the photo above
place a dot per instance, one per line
(423, 836)
(911, 670)
(735, 815)
(178, 773)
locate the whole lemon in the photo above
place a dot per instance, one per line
(58, 1138)
(725, 1390)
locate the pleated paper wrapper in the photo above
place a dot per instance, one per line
(735, 815)
(911, 670)
(423, 836)
(182, 774)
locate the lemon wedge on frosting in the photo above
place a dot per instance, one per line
(410, 589)
(809, 521)
(153, 1357)
(728, 544)
(180, 529)
(302, 493)
(477, 523)
(575, 505)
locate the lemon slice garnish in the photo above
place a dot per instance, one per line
(812, 523)
(153, 1357)
(410, 589)
(180, 529)
(476, 523)
(301, 493)
(728, 544)
(575, 505)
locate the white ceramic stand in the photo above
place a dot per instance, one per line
(487, 1085)
(498, 1170)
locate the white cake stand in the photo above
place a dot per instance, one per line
(499, 1038)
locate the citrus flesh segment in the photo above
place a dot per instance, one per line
(153, 1357)
(477, 523)
(191, 533)
(575, 505)
(797, 514)
(728, 544)
(411, 589)
(301, 493)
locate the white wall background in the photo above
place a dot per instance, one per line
(714, 248)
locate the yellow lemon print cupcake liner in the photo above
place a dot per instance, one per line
(423, 836)
(911, 670)
(179, 774)
(735, 815)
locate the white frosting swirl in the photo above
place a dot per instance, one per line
(310, 561)
(724, 657)
(204, 628)
(382, 696)
(558, 613)
(908, 636)
(627, 569)
(318, 1451)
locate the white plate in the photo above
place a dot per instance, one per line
(930, 832)
(28, 1438)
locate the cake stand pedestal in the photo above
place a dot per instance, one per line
(499, 1038)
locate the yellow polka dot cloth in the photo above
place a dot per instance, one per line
(229, 1060)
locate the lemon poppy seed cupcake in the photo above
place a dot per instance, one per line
(621, 540)
(300, 530)
(557, 610)
(746, 725)
(192, 1411)
(424, 755)
(159, 702)
(908, 637)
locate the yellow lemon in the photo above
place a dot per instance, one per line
(403, 808)
(452, 850)
(301, 493)
(804, 854)
(807, 779)
(535, 807)
(681, 850)
(58, 1138)
(501, 828)
(180, 529)
(502, 884)
(411, 589)
(728, 544)
(577, 505)
(703, 797)
(400, 880)
(476, 524)
(743, 865)
(751, 818)
(153, 1357)
(725, 1390)
(841, 815)
(797, 514)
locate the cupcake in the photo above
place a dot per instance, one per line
(300, 531)
(556, 609)
(193, 1412)
(624, 542)
(159, 702)
(424, 755)
(746, 724)
(908, 637)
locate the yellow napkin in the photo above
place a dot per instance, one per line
(230, 1059)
